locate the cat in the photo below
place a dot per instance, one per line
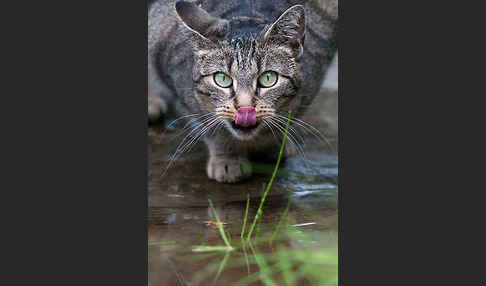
(235, 69)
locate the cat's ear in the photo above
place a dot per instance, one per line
(289, 29)
(206, 29)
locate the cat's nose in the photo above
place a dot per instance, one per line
(246, 116)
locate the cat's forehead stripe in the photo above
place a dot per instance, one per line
(242, 50)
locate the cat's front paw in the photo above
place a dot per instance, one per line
(228, 169)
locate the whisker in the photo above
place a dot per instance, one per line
(217, 127)
(182, 117)
(196, 138)
(190, 122)
(195, 130)
(191, 137)
(291, 129)
(204, 132)
(282, 131)
(310, 129)
(198, 118)
(271, 129)
(291, 138)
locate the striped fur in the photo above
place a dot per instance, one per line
(189, 42)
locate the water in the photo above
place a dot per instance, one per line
(180, 220)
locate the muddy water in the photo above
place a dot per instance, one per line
(178, 206)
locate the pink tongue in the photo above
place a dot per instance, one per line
(246, 116)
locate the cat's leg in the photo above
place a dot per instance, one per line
(227, 163)
(158, 96)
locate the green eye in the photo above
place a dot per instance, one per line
(222, 79)
(268, 79)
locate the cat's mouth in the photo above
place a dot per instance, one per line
(241, 128)
(244, 133)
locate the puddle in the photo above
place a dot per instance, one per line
(186, 246)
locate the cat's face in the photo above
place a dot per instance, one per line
(240, 75)
(247, 82)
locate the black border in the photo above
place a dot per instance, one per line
(76, 173)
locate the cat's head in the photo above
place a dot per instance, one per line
(248, 80)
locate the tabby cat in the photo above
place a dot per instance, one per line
(235, 69)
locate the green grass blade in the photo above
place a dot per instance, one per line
(246, 216)
(220, 225)
(269, 185)
(221, 265)
(243, 244)
(258, 227)
(206, 248)
(162, 243)
(228, 236)
(265, 269)
(284, 215)
(285, 266)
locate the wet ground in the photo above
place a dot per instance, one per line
(179, 210)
